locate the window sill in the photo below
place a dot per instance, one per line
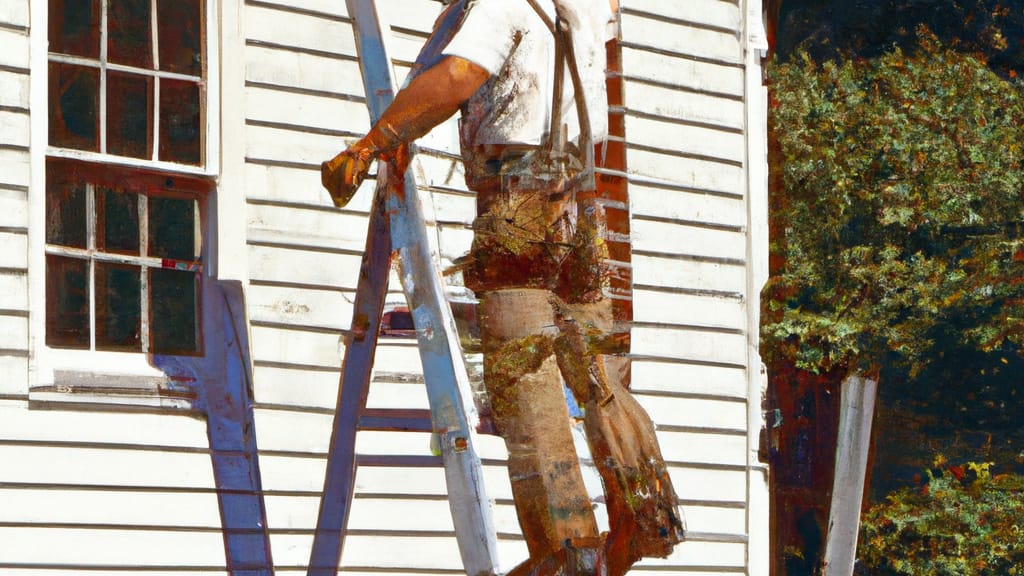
(115, 380)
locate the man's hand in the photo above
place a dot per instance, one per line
(343, 174)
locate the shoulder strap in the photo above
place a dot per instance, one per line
(565, 55)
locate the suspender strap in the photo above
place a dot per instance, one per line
(565, 55)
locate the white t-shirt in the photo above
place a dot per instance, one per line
(509, 40)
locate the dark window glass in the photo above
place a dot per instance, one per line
(74, 27)
(180, 122)
(181, 33)
(173, 311)
(172, 225)
(129, 115)
(129, 33)
(65, 214)
(117, 222)
(74, 106)
(67, 302)
(118, 307)
(401, 320)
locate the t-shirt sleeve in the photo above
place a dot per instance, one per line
(487, 34)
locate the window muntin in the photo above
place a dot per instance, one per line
(123, 259)
(126, 79)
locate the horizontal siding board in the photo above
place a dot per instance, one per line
(328, 8)
(13, 93)
(103, 428)
(13, 290)
(13, 209)
(698, 173)
(168, 509)
(293, 264)
(715, 519)
(270, 105)
(709, 485)
(689, 274)
(14, 128)
(707, 448)
(411, 15)
(14, 47)
(15, 249)
(290, 387)
(652, 376)
(15, 166)
(690, 345)
(268, 65)
(690, 240)
(680, 37)
(290, 145)
(13, 375)
(301, 30)
(653, 67)
(298, 187)
(694, 107)
(687, 139)
(687, 309)
(307, 307)
(295, 346)
(699, 412)
(105, 467)
(292, 225)
(111, 547)
(13, 334)
(14, 12)
(686, 206)
(718, 13)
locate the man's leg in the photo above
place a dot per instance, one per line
(527, 398)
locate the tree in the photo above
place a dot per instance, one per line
(898, 213)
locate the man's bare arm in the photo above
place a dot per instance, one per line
(429, 99)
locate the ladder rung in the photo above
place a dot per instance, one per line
(399, 460)
(404, 420)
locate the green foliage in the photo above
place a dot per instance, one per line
(963, 523)
(899, 211)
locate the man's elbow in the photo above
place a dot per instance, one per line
(465, 76)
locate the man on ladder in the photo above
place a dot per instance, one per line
(537, 267)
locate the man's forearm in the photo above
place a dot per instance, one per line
(429, 99)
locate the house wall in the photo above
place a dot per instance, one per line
(135, 490)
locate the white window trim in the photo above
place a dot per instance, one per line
(132, 372)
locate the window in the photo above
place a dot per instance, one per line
(126, 175)
(123, 259)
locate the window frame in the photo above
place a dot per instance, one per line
(67, 375)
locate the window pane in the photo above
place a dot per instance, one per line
(129, 115)
(129, 33)
(65, 213)
(180, 122)
(74, 27)
(172, 228)
(173, 311)
(117, 222)
(67, 302)
(118, 307)
(74, 106)
(181, 33)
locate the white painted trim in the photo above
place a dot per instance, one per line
(227, 242)
(126, 161)
(756, 166)
(39, 370)
(44, 361)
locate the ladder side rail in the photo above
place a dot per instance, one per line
(443, 365)
(360, 348)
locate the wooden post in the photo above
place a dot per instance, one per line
(852, 447)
